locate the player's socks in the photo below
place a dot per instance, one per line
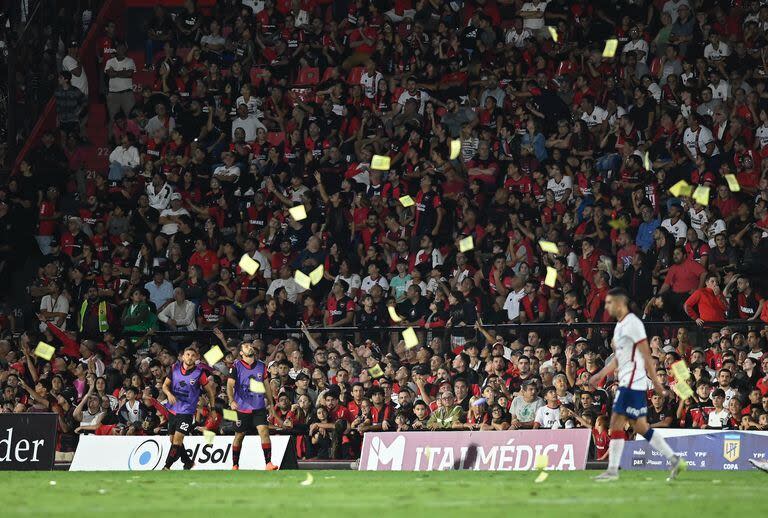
(659, 443)
(267, 452)
(236, 455)
(615, 447)
(173, 455)
(185, 458)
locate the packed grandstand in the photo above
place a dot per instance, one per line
(437, 197)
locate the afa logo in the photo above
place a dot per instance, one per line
(731, 447)
(381, 454)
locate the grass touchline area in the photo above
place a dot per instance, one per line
(351, 493)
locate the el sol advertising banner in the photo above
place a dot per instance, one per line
(144, 453)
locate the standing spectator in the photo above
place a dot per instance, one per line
(70, 104)
(120, 70)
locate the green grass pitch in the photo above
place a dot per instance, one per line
(383, 494)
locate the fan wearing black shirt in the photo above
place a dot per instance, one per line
(661, 413)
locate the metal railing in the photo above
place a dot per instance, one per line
(597, 333)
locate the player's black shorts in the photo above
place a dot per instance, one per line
(247, 422)
(182, 423)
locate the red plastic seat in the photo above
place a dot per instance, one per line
(354, 75)
(308, 76)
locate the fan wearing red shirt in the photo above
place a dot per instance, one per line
(206, 260)
(211, 312)
(533, 306)
(339, 416)
(708, 301)
(684, 275)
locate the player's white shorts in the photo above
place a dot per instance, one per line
(630, 403)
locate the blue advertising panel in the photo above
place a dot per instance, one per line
(716, 451)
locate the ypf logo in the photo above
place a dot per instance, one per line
(382, 454)
(731, 447)
(146, 456)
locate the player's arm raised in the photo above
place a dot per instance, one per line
(605, 371)
(210, 389)
(650, 368)
(168, 392)
(231, 393)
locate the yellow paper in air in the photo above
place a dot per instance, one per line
(44, 351)
(542, 477)
(647, 161)
(701, 194)
(411, 340)
(316, 275)
(683, 390)
(213, 355)
(541, 462)
(380, 162)
(209, 436)
(302, 279)
(551, 278)
(680, 371)
(230, 415)
(681, 188)
(257, 387)
(552, 32)
(298, 212)
(393, 314)
(376, 371)
(248, 264)
(455, 149)
(610, 48)
(466, 244)
(407, 201)
(618, 224)
(549, 247)
(733, 182)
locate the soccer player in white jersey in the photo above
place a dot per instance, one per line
(635, 371)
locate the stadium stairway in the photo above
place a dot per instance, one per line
(98, 148)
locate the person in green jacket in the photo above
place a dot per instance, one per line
(138, 316)
(447, 415)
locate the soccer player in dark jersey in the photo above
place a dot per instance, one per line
(251, 405)
(183, 387)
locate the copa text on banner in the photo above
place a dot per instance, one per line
(479, 451)
(703, 450)
(144, 453)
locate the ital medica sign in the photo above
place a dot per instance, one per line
(480, 451)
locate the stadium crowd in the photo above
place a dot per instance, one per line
(257, 107)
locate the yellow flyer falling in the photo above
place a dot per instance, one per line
(551, 278)
(302, 279)
(316, 275)
(406, 201)
(380, 162)
(610, 48)
(393, 314)
(44, 351)
(248, 264)
(299, 212)
(466, 244)
(213, 355)
(549, 247)
(455, 149)
(701, 194)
